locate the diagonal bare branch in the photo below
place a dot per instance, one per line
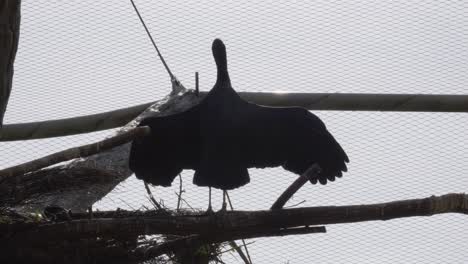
(73, 153)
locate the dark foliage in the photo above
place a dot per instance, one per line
(57, 213)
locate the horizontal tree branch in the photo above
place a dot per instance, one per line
(311, 101)
(71, 126)
(233, 222)
(363, 101)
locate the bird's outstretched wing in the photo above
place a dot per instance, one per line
(172, 146)
(290, 137)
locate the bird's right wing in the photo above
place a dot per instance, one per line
(293, 138)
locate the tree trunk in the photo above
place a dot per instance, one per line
(9, 36)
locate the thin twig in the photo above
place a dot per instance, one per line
(187, 203)
(150, 194)
(239, 251)
(197, 90)
(76, 152)
(247, 259)
(90, 212)
(152, 41)
(125, 202)
(179, 195)
(295, 205)
(226, 251)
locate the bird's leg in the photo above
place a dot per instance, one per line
(224, 208)
(210, 210)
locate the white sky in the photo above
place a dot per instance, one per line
(83, 57)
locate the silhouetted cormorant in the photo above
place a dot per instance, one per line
(224, 135)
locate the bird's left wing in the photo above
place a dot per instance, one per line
(290, 137)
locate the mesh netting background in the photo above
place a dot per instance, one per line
(83, 57)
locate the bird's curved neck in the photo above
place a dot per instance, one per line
(223, 74)
(223, 79)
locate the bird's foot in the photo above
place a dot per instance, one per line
(223, 208)
(209, 211)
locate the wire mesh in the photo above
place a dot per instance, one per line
(84, 57)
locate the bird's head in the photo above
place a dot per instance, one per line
(219, 54)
